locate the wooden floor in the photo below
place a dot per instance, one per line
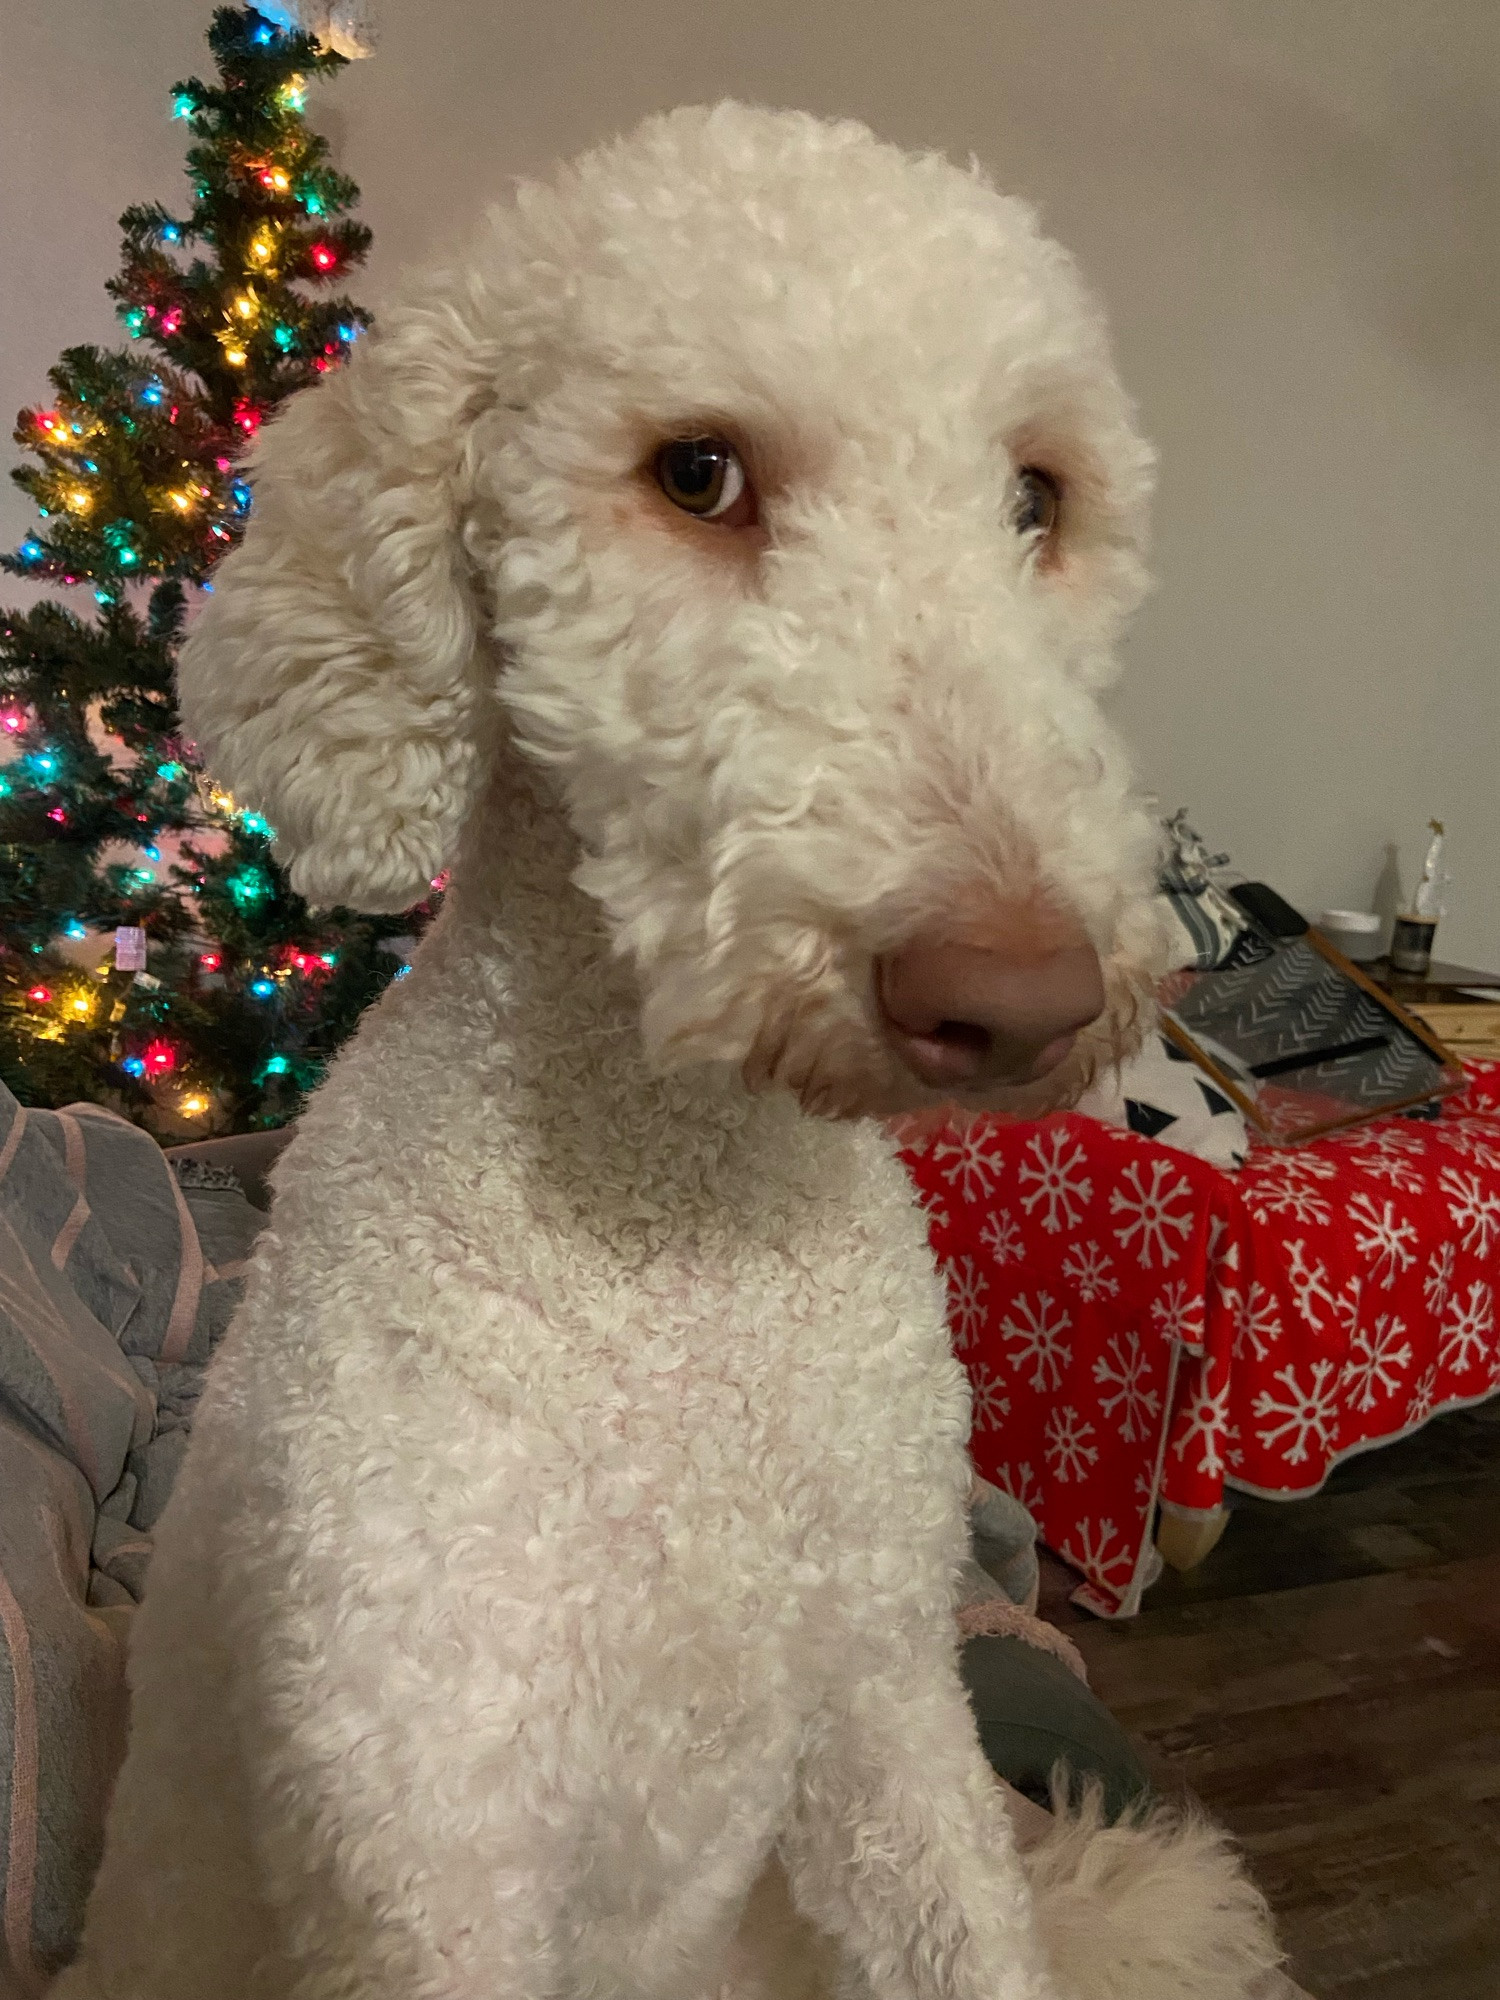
(1329, 1684)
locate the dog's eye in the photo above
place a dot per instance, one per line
(703, 476)
(1036, 502)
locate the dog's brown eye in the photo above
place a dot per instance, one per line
(1037, 502)
(704, 476)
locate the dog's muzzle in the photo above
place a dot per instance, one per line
(967, 1018)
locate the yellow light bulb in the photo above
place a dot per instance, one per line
(280, 180)
(82, 1004)
(80, 501)
(236, 356)
(244, 305)
(182, 501)
(194, 1105)
(223, 802)
(262, 247)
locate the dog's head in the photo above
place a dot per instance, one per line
(778, 488)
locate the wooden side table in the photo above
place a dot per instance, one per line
(1444, 984)
(1451, 1001)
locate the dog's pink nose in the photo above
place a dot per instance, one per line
(961, 1016)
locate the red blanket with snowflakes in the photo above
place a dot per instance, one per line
(1139, 1325)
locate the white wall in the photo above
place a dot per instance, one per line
(1292, 208)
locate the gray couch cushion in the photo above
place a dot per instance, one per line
(116, 1283)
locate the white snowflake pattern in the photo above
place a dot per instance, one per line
(1056, 1179)
(1475, 1209)
(1150, 1213)
(1178, 1313)
(1348, 1304)
(1376, 1362)
(1439, 1280)
(1021, 1483)
(1035, 1335)
(1469, 1324)
(967, 1160)
(1473, 1137)
(1257, 1321)
(1125, 1367)
(1305, 1413)
(1423, 1397)
(1066, 1445)
(1222, 1258)
(1285, 1194)
(934, 1208)
(1390, 1138)
(1308, 1278)
(1207, 1414)
(1001, 1236)
(967, 1286)
(1386, 1241)
(1395, 1168)
(989, 1404)
(1217, 1248)
(1088, 1549)
(1089, 1268)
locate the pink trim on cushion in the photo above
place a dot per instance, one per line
(998, 1618)
(35, 1315)
(12, 1144)
(179, 1331)
(20, 1874)
(76, 1159)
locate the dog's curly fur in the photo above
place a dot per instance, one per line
(565, 1558)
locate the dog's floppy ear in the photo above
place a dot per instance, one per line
(331, 680)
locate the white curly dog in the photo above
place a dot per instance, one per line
(716, 567)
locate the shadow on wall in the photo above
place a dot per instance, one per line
(1408, 210)
(1388, 898)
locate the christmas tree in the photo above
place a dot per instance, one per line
(219, 996)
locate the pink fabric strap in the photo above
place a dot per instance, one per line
(20, 1881)
(998, 1618)
(75, 1158)
(179, 1332)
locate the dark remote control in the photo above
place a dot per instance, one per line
(1273, 913)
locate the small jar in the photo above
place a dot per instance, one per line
(1411, 945)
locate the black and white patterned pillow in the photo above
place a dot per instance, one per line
(1162, 1094)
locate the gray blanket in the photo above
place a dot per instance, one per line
(117, 1278)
